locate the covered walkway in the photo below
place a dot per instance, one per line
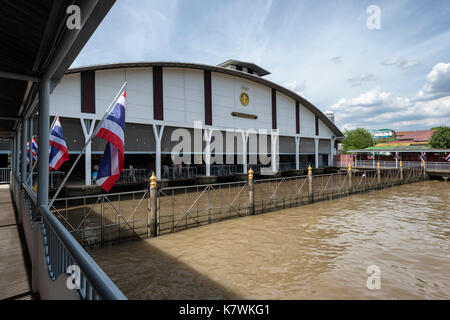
(14, 276)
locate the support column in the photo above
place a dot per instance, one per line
(349, 173)
(251, 193)
(244, 151)
(30, 164)
(13, 156)
(43, 142)
(88, 128)
(331, 158)
(17, 153)
(23, 160)
(310, 185)
(207, 138)
(274, 149)
(316, 152)
(378, 174)
(158, 131)
(297, 153)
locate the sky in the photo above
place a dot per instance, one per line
(396, 76)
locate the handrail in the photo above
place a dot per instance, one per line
(94, 274)
(100, 282)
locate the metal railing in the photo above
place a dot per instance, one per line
(61, 254)
(133, 175)
(437, 166)
(383, 164)
(55, 178)
(178, 172)
(184, 207)
(5, 174)
(98, 219)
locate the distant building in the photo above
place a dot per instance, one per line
(419, 137)
(383, 133)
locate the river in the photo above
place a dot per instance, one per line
(317, 251)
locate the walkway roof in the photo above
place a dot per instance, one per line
(36, 43)
(401, 149)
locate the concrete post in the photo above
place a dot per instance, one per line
(244, 151)
(43, 142)
(424, 163)
(378, 174)
(152, 216)
(316, 152)
(251, 193)
(88, 128)
(17, 153)
(401, 171)
(331, 160)
(310, 185)
(297, 153)
(23, 160)
(349, 173)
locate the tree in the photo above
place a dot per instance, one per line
(440, 138)
(357, 139)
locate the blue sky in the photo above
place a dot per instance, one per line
(397, 77)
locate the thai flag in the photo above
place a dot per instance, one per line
(34, 148)
(58, 152)
(113, 131)
(422, 156)
(372, 156)
(447, 158)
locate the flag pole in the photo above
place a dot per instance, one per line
(97, 128)
(31, 148)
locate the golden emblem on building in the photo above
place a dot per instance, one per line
(245, 99)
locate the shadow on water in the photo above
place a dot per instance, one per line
(143, 271)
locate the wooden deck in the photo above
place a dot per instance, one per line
(14, 277)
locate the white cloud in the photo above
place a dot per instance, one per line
(376, 108)
(295, 87)
(359, 79)
(401, 63)
(337, 59)
(438, 82)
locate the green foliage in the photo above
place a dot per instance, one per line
(357, 139)
(440, 138)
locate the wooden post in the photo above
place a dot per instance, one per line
(251, 193)
(349, 173)
(424, 164)
(152, 216)
(310, 185)
(401, 171)
(378, 174)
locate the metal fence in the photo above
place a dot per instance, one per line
(438, 166)
(55, 178)
(433, 166)
(95, 220)
(5, 174)
(133, 175)
(52, 247)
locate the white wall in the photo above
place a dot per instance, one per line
(183, 96)
(226, 91)
(66, 98)
(183, 99)
(286, 121)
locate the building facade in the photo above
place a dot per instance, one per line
(163, 97)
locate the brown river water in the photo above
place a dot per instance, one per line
(317, 251)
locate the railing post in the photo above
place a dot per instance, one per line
(378, 174)
(424, 164)
(310, 185)
(152, 210)
(349, 173)
(401, 171)
(251, 193)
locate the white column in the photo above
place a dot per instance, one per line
(244, 151)
(207, 134)
(24, 136)
(158, 131)
(88, 128)
(330, 159)
(274, 147)
(316, 152)
(297, 153)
